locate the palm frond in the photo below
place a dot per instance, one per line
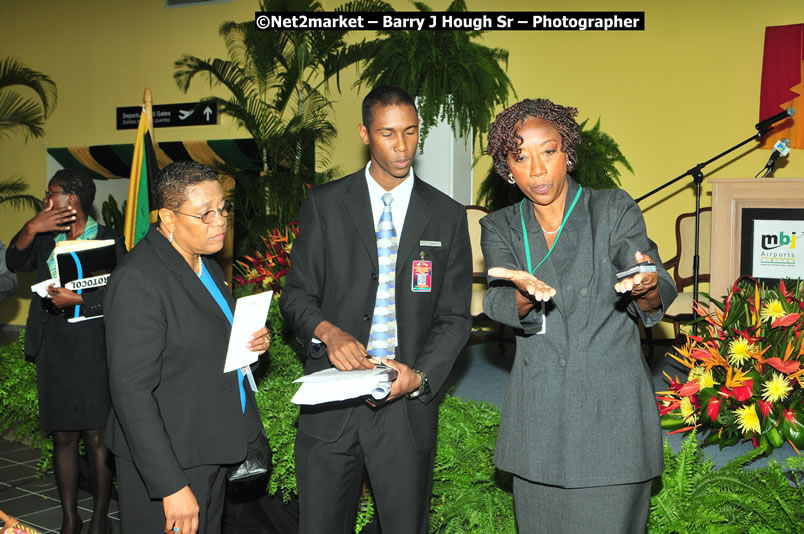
(13, 72)
(13, 191)
(19, 113)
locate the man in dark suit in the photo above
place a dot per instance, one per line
(381, 272)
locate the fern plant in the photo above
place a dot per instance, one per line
(279, 415)
(454, 77)
(469, 493)
(697, 497)
(19, 401)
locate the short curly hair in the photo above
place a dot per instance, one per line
(79, 183)
(504, 135)
(170, 186)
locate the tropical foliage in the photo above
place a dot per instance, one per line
(19, 404)
(19, 113)
(23, 114)
(598, 158)
(277, 83)
(745, 370)
(469, 494)
(13, 191)
(453, 77)
(694, 496)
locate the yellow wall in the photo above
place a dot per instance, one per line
(674, 95)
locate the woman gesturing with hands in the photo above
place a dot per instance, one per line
(580, 428)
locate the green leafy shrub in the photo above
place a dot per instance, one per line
(279, 415)
(696, 497)
(469, 493)
(19, 402)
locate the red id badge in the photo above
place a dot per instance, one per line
(422, 276)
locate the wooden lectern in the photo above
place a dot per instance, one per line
(730, 196)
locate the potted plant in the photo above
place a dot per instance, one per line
(452, 76)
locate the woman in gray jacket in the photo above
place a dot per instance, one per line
(580, 429)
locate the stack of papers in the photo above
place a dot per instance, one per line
(334, 385)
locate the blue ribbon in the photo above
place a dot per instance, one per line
(213, 289)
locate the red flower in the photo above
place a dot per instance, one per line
(744, 392)
(671, 407)
(690, 388)
(713, 407)
(787, 320)
(790, 415)
(765, 408)
(788, 367)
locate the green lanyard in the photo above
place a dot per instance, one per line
(560, 229)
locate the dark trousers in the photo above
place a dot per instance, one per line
(140, 514)
(328, 475)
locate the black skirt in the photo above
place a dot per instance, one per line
(71, 376)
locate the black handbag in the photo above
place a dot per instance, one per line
(257, 462)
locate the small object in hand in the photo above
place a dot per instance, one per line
(646, 267)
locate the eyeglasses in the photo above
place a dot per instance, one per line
(209, 216)
(49, 193)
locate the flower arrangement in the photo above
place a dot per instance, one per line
(266, 271)
(745, 379)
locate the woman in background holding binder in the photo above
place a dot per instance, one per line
(71, 373)
(178, 420)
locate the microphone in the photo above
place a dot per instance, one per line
(781, 148)
(767, 123)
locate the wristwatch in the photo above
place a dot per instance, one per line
(424, 387)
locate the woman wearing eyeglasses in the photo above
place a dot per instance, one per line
(178, 420)
(72, 382)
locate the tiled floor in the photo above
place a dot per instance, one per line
(33, 498)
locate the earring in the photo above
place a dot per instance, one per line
(170, 240)
(510, 179)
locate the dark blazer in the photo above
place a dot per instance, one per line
(334, 273)
(35, 258)
(166, 337)
(580, 408)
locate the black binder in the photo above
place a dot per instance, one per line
(84, 267)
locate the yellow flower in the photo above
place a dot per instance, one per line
(776, 388)
(704, 377)
(740, 351)
(707, 380)
(772, 310)
(688, 411)
(747, 419)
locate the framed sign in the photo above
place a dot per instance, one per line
(772, 244)
(735, 199)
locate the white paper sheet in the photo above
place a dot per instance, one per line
(334, 385)
(249, 316)
(41, 288)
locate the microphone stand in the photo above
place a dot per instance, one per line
(697, 175)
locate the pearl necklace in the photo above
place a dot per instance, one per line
(554, 232)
